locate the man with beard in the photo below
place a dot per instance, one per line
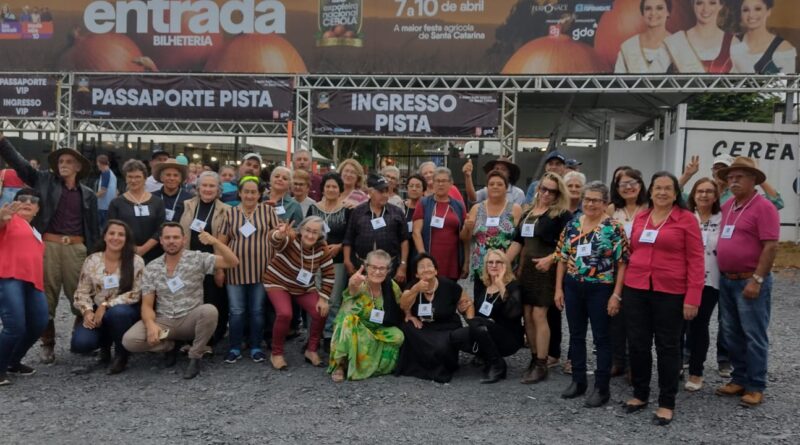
(172, 298)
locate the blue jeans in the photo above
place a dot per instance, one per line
(24, 313)
(744, 325)
(116, 322)
(246, 302)
(584, 303)
(102, 218)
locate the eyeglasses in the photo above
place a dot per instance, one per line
(27, 198)
(494, 262)
(543, 189)
(628, 184)
(311, 232)
(592, 201)
(378, 269)
(441, 181)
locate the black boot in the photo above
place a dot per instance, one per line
(597, 398)
(171, 357)
(496, 372)
(193, 369)
(104, 356)
(496, 366)
(574, 390)
(119, 363)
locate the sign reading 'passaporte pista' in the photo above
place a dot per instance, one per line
(184, 98)
(404, 113)
(28, 96)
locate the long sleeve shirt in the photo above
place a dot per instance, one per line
(91, 291)
(283, 271)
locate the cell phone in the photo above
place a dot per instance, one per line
(163, 334)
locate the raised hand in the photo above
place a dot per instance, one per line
(357, 280)
(8, 210)
(284, 230)
(206, 238)
(693, 166)
(467, 168)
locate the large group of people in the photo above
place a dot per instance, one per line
(375, 277)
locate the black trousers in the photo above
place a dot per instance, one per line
(554, 322)
(696, 331)
(653, 315)
(218, 297)
(619, 341)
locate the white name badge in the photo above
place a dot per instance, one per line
(170, 214)
(425, 310)
(493, 221)
(247, 229)
(36, 234)
(175, 284)
(376, 316)
(727, 232)
(486, 308)
(141, 210)
(198, 225)
(584, 250)
(280, 210)
(527, 230)
(304, 277)
(648, 236)
(378, 223)
(705, 238)
(110, 282)
(326, 227)
(628, 229)
(437, 222)
(410, 226)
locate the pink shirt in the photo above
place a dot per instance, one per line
(21, 253)
(674, 263)
(754, 223)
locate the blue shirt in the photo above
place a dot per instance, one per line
(108, 181)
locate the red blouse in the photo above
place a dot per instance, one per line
(674, 263)
(21, 254)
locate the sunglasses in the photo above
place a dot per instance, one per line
(27, 198)
(544, 189)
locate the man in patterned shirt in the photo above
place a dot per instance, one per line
(175, 280)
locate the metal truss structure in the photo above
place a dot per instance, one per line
(509, 87)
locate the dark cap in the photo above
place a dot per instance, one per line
(572, 163)
(158, 151)
(377, 182)
(555, 154)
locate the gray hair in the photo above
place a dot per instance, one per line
(390, 168)
(378, 254)
(443, 171)
(314, 219)
(575, 175)
(419, 169)
(209, 174)
(280, 169)
(599, 187)
(302, 150)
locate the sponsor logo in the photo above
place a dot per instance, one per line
(583, 7)
(549, 7)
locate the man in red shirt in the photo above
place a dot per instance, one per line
(745, 253)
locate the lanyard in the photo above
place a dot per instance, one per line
(733, 209)
(628, 216)
(175, 203)
(650, 216)
(445, 211)
(486, 298)
(210, 211)
(373, 213)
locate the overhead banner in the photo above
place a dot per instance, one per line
(28, 96)
(402, 36)
(183, 98)
(405, 113)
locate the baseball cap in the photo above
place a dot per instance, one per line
(377, 182)
(573, 163)
(252, 156)
(724, 159)
(555, 154)
(158, 151)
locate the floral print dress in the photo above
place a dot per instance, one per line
(485, 238)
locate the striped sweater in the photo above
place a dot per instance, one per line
(284, 267)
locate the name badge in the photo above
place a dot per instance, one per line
(326, 227)
(649, 236)
(198, 225)
(727, 232)
(280, 210)
(170, 214)
(437, 222)
(378, 223)
(493, 221)
(175, 284)
(410, 226)
(141, 211)
(304, 277)
(584, 250)
(36, 234)
(110, 282)
(425, 310)
(705, 238)
(247, 229)
(376, 316)
(486, 308)
(628, 229)
(527, 230)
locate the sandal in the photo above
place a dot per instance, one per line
(338, 375)
(278, 362)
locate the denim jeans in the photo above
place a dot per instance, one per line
(116, 322)
(584, 303)
(23, 311)
(340, 281)
(744, 325)
(102, 218)
(246, 306)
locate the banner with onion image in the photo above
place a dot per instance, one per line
(402, 36)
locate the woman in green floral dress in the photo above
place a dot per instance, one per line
(366, 339)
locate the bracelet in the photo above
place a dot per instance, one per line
(617, 297)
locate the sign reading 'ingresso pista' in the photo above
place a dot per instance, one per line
(27, 96)
(184, 98)
(405, 113)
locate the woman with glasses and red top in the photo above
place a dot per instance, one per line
(536, 238)
(663, 286)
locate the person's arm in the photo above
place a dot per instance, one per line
(82, 300)
(765, 261)
(615, 302)
(516, 213)
(149, 318)
(146, 247)
(26, 173)
(409, 295)
(695, 265)
(465, 301)
(561, 270)
(513, 250)
(469, 224)
(416, 234)
(772, 195)
(103, 189)
(7, 212)
(400, 276)
(468, 184)
(225, 258)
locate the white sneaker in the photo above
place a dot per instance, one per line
(692, 386)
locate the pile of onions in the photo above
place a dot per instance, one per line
(105, 52)
(257, 53)
(554, 55)
(625, 21)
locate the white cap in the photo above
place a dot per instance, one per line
(724, 159)
(252, 155)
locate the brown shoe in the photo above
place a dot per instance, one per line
(730, 389)
(617, 370)
(751, 399)
(278, 362)
(538, 373)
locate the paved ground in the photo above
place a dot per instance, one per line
(250, 403)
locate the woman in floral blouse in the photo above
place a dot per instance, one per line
(108, 296)
(591, 258)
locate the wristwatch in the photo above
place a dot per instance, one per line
(758, 279)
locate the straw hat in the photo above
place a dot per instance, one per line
(743, 163)
(53, 157)
(170, 163)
